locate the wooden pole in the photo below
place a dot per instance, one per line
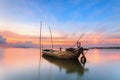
(51, 37)
(40, 35)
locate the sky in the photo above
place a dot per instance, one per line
(99, 20)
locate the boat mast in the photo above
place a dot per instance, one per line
(51, 37)
(40, 35)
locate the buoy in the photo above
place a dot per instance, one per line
(83, 60)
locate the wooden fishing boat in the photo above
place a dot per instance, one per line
(70, 53)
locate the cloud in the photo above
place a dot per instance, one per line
(88, 40)
(20, 27)
(12, 39)
(2, 40)
(16, 35)
(26, 44)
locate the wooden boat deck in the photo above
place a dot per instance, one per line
(67, 54)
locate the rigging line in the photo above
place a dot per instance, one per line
(51, 37)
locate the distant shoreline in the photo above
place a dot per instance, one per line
(104, 48)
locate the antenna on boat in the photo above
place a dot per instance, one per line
(79, 39)
(51, 37)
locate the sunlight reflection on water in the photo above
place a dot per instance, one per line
(23, 64)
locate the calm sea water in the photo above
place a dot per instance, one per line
(27, 64)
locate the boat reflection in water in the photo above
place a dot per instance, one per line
(70, 66)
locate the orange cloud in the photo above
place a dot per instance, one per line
(14, 37)
(61, 40)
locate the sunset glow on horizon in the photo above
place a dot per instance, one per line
(60, 41)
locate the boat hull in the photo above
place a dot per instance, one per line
(61, 54)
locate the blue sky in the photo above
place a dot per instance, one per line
(59, 12)
(64, 10)
(66, 17)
